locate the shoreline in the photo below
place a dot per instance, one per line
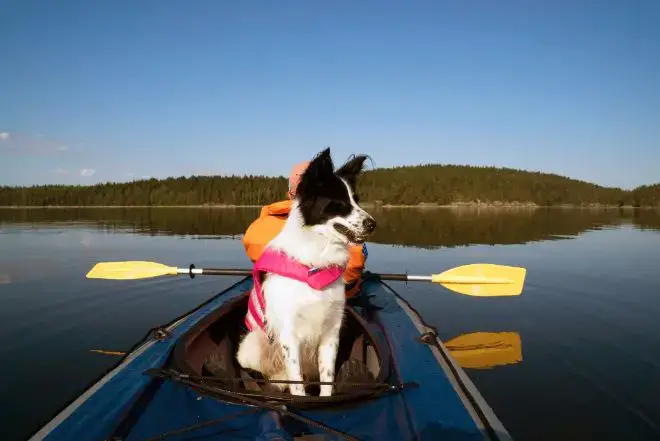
(456, 205)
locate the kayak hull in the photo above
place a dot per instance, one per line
(127, 404)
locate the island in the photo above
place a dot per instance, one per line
(430, 185)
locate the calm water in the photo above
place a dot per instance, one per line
(588, 319)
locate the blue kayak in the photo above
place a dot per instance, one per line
(395, 381)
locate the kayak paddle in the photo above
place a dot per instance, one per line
(478, 279)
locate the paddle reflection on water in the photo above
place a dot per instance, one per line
(486, 350)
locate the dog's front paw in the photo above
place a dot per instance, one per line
(297, 389)
(326, 390)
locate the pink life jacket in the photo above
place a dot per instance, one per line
(278, 262)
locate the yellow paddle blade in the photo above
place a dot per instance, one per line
(483, 280)
(130, 270)
(486, 350)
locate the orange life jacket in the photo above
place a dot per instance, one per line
(270, 223)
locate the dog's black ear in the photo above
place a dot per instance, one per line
(352, 169)
(319, 172)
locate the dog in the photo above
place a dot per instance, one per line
(299, 335)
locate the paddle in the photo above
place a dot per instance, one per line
(479, 279)
(485, 350)
(476, 350)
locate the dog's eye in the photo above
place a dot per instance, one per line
(335, 207)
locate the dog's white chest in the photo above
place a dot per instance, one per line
(309, 312)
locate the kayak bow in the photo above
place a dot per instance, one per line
(396, 381)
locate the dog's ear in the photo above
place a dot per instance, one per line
(319, 172)
(352, 169)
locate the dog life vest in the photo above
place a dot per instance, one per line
(277, 262)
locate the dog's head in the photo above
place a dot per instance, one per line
(328, 202)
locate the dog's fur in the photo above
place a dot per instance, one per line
(304, 323)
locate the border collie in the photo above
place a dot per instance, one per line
(300, 337)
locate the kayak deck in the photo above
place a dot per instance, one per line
(153, 391)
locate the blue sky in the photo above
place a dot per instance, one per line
(109, 90)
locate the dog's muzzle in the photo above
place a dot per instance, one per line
(368, 226)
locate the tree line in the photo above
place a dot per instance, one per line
(406, 185)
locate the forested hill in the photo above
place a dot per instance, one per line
(410, 185)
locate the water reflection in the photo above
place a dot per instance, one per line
(486, 350)
(426, 228)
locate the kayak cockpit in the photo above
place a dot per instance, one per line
(207, 351)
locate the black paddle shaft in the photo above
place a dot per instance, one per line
(394, 277)
(247, 272)
(226, 272)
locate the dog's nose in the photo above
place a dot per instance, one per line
(369, 224)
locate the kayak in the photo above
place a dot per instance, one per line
(395, 381)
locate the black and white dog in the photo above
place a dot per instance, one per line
(302, 322)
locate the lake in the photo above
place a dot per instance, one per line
(588, 319)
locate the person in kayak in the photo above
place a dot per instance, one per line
(271, 221)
